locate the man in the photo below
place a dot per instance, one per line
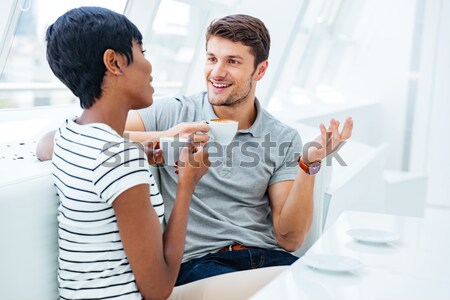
(244, 213)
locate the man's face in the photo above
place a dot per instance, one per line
(229, 72)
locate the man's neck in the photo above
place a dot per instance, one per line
(244, 112)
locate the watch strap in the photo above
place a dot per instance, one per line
(307, 168)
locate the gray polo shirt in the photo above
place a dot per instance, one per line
(230, 203)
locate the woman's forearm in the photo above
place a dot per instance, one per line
(175, 232)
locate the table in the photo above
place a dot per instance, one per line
(414, 267)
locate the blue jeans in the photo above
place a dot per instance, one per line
(226, 262)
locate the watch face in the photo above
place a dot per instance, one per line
(314, 168)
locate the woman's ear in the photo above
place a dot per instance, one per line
(113, 62)
(261, 70)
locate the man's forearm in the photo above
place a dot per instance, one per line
(44, 148)
(297, 213)
(140, 137)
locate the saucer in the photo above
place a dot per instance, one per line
(330, 262)
(372, 235)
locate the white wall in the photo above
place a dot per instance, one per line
(378, 68)
(431, 141)
(383, 68)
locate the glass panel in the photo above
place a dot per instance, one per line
(174, 36)
(26, 62)
(328, 33)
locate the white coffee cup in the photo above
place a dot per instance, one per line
(171, 148)
(222, 130)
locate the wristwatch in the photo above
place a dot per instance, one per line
(312, 168)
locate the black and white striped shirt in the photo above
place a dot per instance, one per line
(92, 165)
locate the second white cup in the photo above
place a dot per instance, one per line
(171, 148)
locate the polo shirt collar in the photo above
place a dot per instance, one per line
(255, 130)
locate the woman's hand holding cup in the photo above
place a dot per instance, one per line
(193, 164)
(196, 131)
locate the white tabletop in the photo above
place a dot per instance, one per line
(414, 267)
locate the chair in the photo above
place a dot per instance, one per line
(28, 228)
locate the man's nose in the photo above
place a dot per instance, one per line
(218, 71)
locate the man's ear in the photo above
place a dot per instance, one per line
(113, 62)
(261, 70)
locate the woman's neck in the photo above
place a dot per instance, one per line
(106, 112)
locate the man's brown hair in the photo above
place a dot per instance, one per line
(248, 30)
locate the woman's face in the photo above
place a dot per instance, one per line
(138, 75)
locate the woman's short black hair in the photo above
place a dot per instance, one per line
(76, 43)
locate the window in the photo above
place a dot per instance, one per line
(172, 41)
(325, 40)
(27, 79)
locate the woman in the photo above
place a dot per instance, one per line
(111, 246)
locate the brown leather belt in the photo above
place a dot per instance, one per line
(234, 247)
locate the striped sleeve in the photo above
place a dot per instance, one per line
(120, 166)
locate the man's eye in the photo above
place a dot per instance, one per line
(143, 51)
